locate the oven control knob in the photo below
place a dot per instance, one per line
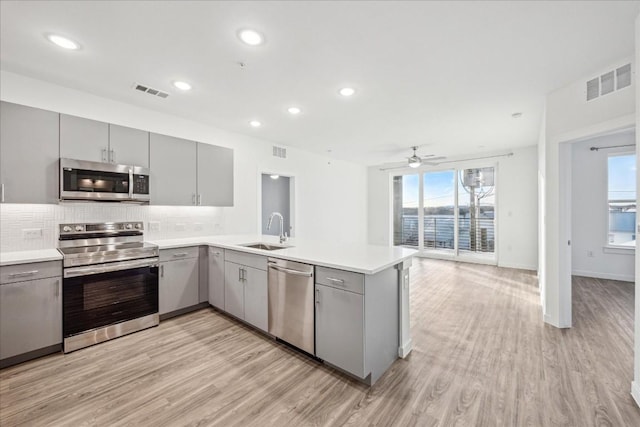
(66, 229)
(78, 228)
(138, 226)
(129, 226)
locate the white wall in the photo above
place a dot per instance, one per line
(589, 216)
(569, 118)
(330, 199)
(516, 200)
(635, 385)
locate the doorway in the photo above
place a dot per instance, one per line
(277, 196)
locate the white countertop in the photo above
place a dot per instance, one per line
(367, 259)
(25, 257)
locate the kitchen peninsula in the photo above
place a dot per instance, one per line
(358, 294)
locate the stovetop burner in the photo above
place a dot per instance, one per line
(88, 244)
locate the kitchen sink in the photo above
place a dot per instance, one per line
(264, 246)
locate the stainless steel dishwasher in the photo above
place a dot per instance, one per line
(291, 303)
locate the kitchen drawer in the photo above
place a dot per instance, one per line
(249, 260)
(32, 271)
(340, 279)
(179, 253)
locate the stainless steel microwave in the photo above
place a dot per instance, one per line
(84, 180)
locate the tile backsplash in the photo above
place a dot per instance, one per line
(19, 223)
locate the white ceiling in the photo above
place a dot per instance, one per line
(446, 74)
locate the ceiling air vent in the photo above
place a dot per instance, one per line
(279, 152)
(150, 90)
(609, 82)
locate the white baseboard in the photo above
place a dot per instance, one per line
(607, 276)
(553, 322)
(635, 392)
(404, 350)
(518, 266)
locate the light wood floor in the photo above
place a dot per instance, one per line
(481, 357)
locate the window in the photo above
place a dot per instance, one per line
(622, 200)
(448, 212)
(405, 210)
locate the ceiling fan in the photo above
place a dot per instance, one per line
(416, 161)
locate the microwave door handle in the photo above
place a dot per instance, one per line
(131, 183)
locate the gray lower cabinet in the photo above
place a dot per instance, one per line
(30, 310)
(128, 146)
(216, 277)
(84, 139)
(29, 154)
(357, 320)
(256, 304)
(245, 288)
(215, 175)
(233, 289)
(179, 279)
(173, 170)
(340, 328)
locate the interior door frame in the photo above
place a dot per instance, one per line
(292, 199)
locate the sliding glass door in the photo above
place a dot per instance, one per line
(448, 213)
(439, 189)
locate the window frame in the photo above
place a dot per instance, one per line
(612, 247)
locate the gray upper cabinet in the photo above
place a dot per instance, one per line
(173, 174)
(215, 175)
(28, 154)
(128, 146)
(83, 139)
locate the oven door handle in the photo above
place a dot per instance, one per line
(107, 268)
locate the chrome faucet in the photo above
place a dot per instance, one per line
(283, 235)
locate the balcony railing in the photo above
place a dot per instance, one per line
(439, 233)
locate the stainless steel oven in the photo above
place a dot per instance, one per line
(83, 180)
(110, 282)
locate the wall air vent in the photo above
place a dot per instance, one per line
(150, 90)
(279, 152)
(609, 82)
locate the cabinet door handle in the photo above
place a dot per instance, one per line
(331, 279)
(162, 271)
(113, 156)
(104, 154)
(193, 199)
(57, 293)
(318, 296)
(199, 199)
(180, 255)
(2, 195)
(24, 273)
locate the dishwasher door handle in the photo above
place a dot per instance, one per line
(290, 271)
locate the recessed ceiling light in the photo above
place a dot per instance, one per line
(347, 91)
(251, 37)
(516, 115)
(294, 110)
(182, 85)
(63, 42)
(255, 124)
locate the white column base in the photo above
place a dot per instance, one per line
(635, 392)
